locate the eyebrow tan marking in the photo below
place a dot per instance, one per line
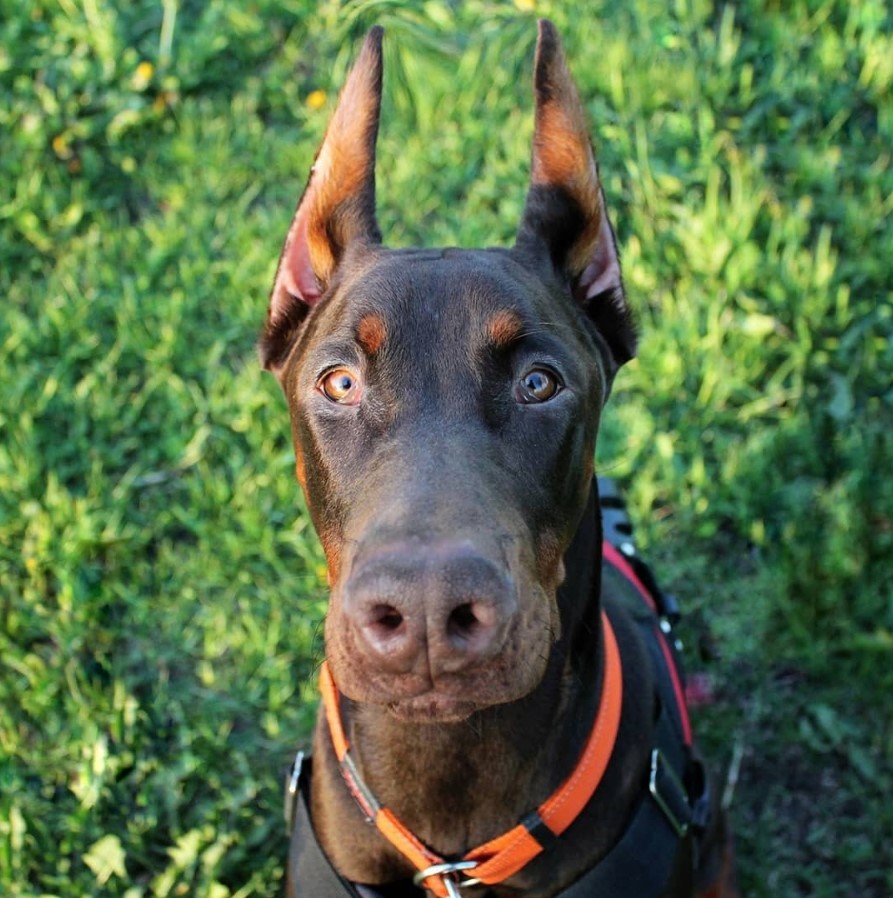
(504, 328)
(371, 333)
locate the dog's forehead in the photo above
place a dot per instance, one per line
(470, 288)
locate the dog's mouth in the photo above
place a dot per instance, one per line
(454, 699)
(432, 708)
(421, 699)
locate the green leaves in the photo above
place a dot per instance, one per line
(106, 859)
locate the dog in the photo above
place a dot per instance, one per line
(502, 710)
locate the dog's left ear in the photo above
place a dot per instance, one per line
(565, 213)
(336, 212)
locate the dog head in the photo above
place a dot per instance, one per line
(444, 407)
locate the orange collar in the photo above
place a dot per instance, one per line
(496, 860)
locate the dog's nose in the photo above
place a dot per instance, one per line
(429, 610)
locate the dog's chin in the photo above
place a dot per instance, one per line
(432, 709)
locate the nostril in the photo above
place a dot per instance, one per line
(469, 619)
(462, 620)
(386, 636)
(386, 618)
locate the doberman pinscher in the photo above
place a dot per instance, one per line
(498, 719)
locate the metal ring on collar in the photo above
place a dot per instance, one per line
(447, 873)
(292, 785)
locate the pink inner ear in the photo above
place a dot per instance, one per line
(603, 271)
(295, 279)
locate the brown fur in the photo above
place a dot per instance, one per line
(371, 333)
(504, 328)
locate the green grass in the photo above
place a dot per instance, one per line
(160, 585)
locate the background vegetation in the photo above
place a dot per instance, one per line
(160, 587)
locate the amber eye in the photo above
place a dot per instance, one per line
(538, 385)
(341, 385)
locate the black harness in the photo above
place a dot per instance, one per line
(657, 854)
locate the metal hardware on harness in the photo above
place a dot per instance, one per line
(666, 627)
(447, 873)
(661, 769)
(292, 784)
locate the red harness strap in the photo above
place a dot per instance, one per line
(500, 858)
(616, 559)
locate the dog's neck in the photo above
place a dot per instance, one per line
(458, 785)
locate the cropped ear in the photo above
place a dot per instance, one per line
(337, 209)
(565, 217)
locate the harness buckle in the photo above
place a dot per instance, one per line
(292, 784)
(671, 796)
(447, 872)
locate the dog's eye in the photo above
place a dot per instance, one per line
(538, 385)
(341, 385)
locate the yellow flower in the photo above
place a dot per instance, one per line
(61, 146)
(142, 75)
(525, 5)
(316, 99)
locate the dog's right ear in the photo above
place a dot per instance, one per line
(336, 210)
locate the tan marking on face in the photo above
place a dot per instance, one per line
(331, 545)
(300, 467)
(504, 328)
(371, 333)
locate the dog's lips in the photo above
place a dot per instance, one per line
(419, 700)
